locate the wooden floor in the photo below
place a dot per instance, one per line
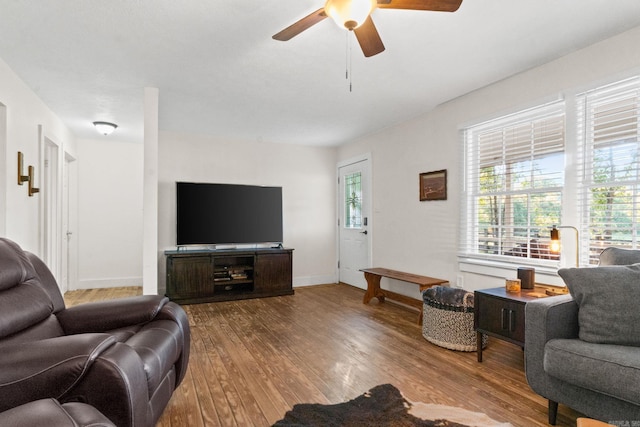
(252, 360)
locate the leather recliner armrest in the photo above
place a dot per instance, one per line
(107, 315)
(116, 385)
(172, 311)
(49, 412)
(47, 368)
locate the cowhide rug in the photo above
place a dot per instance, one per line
(383, 406)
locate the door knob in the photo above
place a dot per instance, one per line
(364, 232)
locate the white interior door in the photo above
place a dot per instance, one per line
(50, 204)
(72, 221)
(68, 252)
(52, 214)
(354, 222)
(64, 253)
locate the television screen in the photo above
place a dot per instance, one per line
(228, 214)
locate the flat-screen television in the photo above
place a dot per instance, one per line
(227, 214)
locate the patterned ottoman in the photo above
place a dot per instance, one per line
(448, 318)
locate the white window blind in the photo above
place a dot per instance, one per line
(609, 127)
(514, 177)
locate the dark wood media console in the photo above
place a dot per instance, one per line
(196, 276)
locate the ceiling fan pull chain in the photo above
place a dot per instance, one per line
(346, 56)
(351, 63)
(348, 60)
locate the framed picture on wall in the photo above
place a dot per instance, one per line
(433, 185)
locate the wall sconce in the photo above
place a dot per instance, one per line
(32, 189)
(555, 241)
(26, 178)
(105, 128)
(21, 177)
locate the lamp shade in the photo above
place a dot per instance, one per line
(555, 240)
(349, 14)
(105, 128)
(554, 246)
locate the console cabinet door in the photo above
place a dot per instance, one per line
(515, 317)
(273, 273)
(500, 317)
(189, 276)
(488, 312)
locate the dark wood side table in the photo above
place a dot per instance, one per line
(500, 314)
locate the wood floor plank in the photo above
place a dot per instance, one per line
(252, 360)
(204, 380)
(268, 362)
(185, 408)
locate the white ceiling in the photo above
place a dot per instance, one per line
(220, 73)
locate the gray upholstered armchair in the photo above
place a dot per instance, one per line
(583, 349)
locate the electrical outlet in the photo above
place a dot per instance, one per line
(460, 281)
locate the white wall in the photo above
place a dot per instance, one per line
(422, 237)
(110, 213)
(306, 175)
(24, 112)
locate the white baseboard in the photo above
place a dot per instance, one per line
(137, 281)
(113, 282)
(313, 280)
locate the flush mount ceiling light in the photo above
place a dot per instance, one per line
(105, 128)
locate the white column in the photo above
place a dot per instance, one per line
(150, 194)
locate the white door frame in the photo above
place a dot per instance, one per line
(366, 157)
(4, 181)
(69, 253)
(50, 202)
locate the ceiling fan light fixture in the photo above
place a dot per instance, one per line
(349, 14)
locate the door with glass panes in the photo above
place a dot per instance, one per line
(354, 222)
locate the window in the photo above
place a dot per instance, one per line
(609, 123)
(353, 200)
(513, 184)
(515, 188)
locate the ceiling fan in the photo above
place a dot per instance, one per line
(355, 15)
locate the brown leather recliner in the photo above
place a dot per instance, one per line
(125, 357)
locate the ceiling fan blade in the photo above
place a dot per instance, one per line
(369, 39)
(301, 25)
(435, 5)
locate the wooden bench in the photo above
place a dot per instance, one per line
(373, 276)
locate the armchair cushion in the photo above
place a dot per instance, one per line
(618, 256)
(14, 265)
(21, 307)
(608, 299)
(46, 281)
(613, 370)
